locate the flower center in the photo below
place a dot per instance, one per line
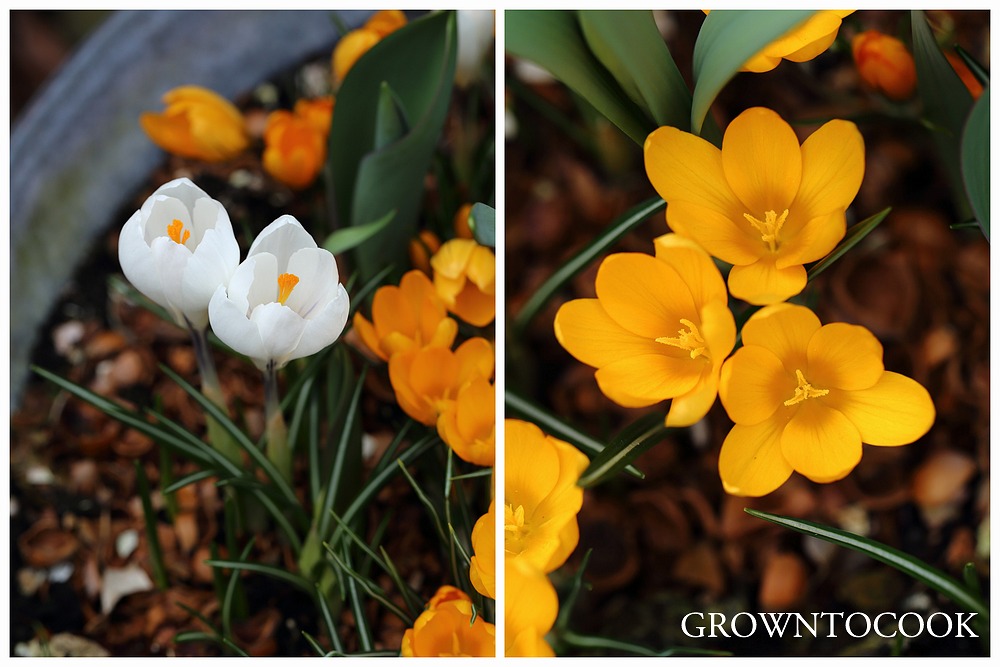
(286, 283)
(769, 227)
(177, 233)
(513, 522)
(688, 338)
(804, 390)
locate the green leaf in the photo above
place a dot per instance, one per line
(557, 428)
(482, 220)
(946, 102)
(390, 118)
(337, 469)
(626, 446)
(977, 69)
(553, 40)
(727, 40)
(260, 568)
(348, 238)
(630, 46)
(417, 62)
(152, 536)
(853, 237)
(976, 160)
(908, 565)
(581, 260)
(566, 608)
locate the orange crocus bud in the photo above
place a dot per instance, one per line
(197, 123)
(351, 46)
(317, 112)
(422, 249)
(884, 64)
(461, 222)
(386, 21)
(294, 150)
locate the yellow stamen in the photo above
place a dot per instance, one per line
(174, 232)
(687, 339)
(513, 521)
(804, 390)
(769, 228)
(286, 283)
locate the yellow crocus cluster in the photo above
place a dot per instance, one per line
(540, 503)
(446, 629)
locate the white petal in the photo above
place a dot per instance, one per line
(280, 330)
(211, 265)
(182, 189)
(169, 261)
(231, 324)
(209, 214)
(316, 270)
(282, 238)
(161, 214)
(325, 326)
(264, 287)
(136, 259)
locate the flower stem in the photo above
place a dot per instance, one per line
(210, 387)
(277, 431)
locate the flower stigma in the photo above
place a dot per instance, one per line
(769, 228)
(688, 338)
(804, 390)
(174, 231)
(286, 283)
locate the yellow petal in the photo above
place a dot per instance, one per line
(643, 295)
(475, 306)
(762, 161)
(812, 240)
(349, 49)
(530, 609)
(694, 265)
(763, 283)
(475, 359)
(833, 164)
(820, 442)
(386, 21)
(753, 385)
(586, 331)
(844, 356)
(761, 63)
(691, 407)
(482, 568)
(785, 329)
(719, 330)
(716, 232)
(895, 411)
(814, 48)
(650, 378)
(683, 167)
(368, 336)
(751, 462)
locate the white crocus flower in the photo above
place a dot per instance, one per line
(178, 248)
(284, 300)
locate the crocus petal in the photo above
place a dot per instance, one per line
(811, 241)
(475, 359)
(231, 324)
(318, 283)
(368, 336)
(136, 259)
(820, 442)
(691, 407)
(719, 330)
(161, 213)
(169, 263)
(691, 261)
(895, 411)
(785, 329)
(833, 164)
(762, 161)
(643, 295)
(324, 327)
(280, 328)
(212, 264)
(814, 48)
(282, 238)
(751, 462)
(647, 379)
(683, 167)
(754, 384)
(590, 335)
(763, 283)
(715, 232)
(844, 356)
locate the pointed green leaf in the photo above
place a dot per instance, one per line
(905, 563)
(976, 67)
(623, 449)
(552, 39)
(976, 160)
(727, 40)
(482, 220)
(390, 118)
(629, 45)
(418, 63)
(348, 238)
(581, 260)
